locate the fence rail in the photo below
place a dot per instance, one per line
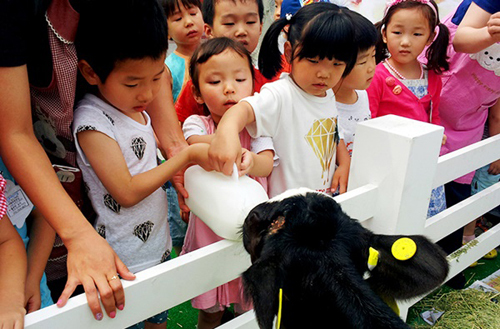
(394, 167)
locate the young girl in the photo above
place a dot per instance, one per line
(222, 74)
(402, 85)
(298, 111)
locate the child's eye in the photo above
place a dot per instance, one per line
(228, 24)
(214, 82)
(396, 32)
(362, 63)
(251, 22)
(156, 79)
(312, 60)
(131, 86)
(417, 34)
(241, 80)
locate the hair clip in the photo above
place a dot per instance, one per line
(288, 16)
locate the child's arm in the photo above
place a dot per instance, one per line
(225, 148)
(341, 175)
(200, 139)
(258, 165)
(494, 128)
(106, 159)
(12, 276)
(42, 237)
(478, 30)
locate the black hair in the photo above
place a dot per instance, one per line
(365, 33)
(320, 29)
(110, 31)
(172, 6)
(437, 59)
(211, 48)
(208, 10)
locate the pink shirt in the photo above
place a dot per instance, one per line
(388, 95)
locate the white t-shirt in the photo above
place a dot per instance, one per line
(350, 115)
(139, 234)
(304, 132)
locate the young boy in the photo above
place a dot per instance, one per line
(240, 20)
(121, 46)
(350, 92)
(185, 28)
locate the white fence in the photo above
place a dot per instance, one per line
(394, 167)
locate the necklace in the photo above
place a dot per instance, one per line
(399, 75)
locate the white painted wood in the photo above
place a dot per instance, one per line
(467, 159)
(351, 201)
(462, 213)
(155, 289)
(399, 156)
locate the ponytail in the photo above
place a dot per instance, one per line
(381, 51)
(270, 59)
(437, 59)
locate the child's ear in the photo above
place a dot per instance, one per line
(197, 95)
(384, 34)
(209, 32)
(288, 52)
(431, 39)
(88, 73)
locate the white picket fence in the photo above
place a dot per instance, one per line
(395, 166)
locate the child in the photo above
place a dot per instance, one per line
(122, 48)
(298, 111)
(402, 85)
(185, 28)
(350, 92)
(240, 20)
(222, 74)
(12, 269)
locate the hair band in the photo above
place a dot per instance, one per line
(391, 3)
(288, 16)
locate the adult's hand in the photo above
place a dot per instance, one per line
(93, 264)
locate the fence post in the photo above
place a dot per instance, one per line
(398, 155)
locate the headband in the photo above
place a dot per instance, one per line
(391, 3)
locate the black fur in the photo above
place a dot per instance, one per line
(318, 257)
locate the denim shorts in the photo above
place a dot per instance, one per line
(483, 180)
(178, 227)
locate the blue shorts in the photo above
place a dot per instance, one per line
(177, 226)
(483, 180)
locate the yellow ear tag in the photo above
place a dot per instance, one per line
(278, 320)
(404, 249)
(372, 258)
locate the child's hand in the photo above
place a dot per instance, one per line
(340, 178)
(494, 26)
(33, 299)
(494, 168)
(444, 139)
(224, 152)
(246, 162)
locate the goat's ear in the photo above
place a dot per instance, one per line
(425, 270)
(261, 286)
(255, 228)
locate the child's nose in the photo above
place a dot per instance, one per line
(145, 96)
(241, 30)
(229, 89)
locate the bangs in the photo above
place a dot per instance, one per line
(172, 6)
(324, 31)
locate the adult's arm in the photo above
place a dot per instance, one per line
(91, 261)
(478, 30)
(168, 131)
